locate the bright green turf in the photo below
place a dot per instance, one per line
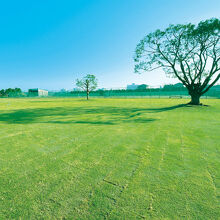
(109, 158)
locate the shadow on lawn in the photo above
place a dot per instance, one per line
(168, 108)
(92, 115)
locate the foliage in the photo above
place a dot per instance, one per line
(188, 52)
(87, 83)
(174, 87)
(11, 92)
(142, 87)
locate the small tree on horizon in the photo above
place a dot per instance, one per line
(190, 53)
(87, 83)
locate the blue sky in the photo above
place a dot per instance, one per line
(49, 43)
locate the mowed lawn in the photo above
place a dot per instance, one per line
(109, 159)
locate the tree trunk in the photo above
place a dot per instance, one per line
(195, 99)
(87, 95)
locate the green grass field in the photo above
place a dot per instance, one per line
(109, 159)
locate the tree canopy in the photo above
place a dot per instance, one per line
(190, 53)
(87, 83)
(10, 92)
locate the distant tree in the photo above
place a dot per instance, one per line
(142, 87)
(178, 85)
(11, 92)
(174, 87)
(101, 92)
(87, 83)
(17, 90)
(2, 92)
(188, 52)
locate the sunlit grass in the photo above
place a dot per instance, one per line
(109, 158)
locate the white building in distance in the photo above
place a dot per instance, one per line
(37, 92)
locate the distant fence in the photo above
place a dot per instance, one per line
(123, 93)
(149, 93)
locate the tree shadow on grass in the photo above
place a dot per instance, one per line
(168, 108)
(82, 115)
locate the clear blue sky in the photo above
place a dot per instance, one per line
(49, 43)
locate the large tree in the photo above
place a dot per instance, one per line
(190, 53)
(87, 83)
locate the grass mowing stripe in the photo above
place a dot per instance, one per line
(109, 158)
